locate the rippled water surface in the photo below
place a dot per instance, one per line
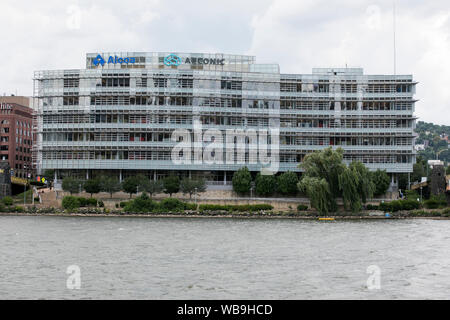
(176, 258)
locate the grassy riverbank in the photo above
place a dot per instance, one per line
(417, 214)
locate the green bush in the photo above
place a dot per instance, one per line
(92, 202)
(445, 212)
(239, 208)
(399, 205)
(17, 209)
(190, 206)
(101, 204)
(302, 207)
(412, 195)
(423, 213)
(372, 207)
(412, 204)
(7, 201)
(122, 204)
(436, 202)
(70, 202)
(142, 204)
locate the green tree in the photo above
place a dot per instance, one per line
(419, 170)
(348, 183)
(171, 184)
(109, 185)
(189, 186)
(153, 187)
(448, 170)
(287, 183)
(71, 185)
(325, 165)
(265, 185)
(49, 174)
(242, 180)
(130, 185)
(365, 186)
(381, 181)
(92, 186)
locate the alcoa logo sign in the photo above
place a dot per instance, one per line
(174, 60)
(99, 60)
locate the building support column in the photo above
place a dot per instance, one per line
(154, 175)
(87, 174)
(56, 177)
(224, 178)
(120, 175)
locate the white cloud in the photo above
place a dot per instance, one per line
(305, 34)
(299, 35)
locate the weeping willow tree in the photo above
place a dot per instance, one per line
(366, 187)
(348, 184)
(318, 192)
(326, 166)
(326, 178)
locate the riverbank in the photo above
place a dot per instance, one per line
(222, 216)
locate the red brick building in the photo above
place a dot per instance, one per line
(16, 134)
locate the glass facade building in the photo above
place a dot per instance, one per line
(118, 116)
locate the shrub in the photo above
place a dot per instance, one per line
(190, 206)
(302, 207)
(399, 205)
(240, 208)
(410, 204)
(123, 204)
(18, 209)
(7, 201)
(101, 204)
(372, 207)
(141, 204)
(36, 199)
(436, 202)
(411, 195)
(70, 202)
(92, 202)
(445, 212)
(171, 204)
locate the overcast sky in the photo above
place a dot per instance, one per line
(297, 34)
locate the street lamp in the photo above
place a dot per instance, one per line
(25, 186)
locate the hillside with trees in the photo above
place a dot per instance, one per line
(433, 136)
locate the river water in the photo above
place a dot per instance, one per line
(186, 258)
